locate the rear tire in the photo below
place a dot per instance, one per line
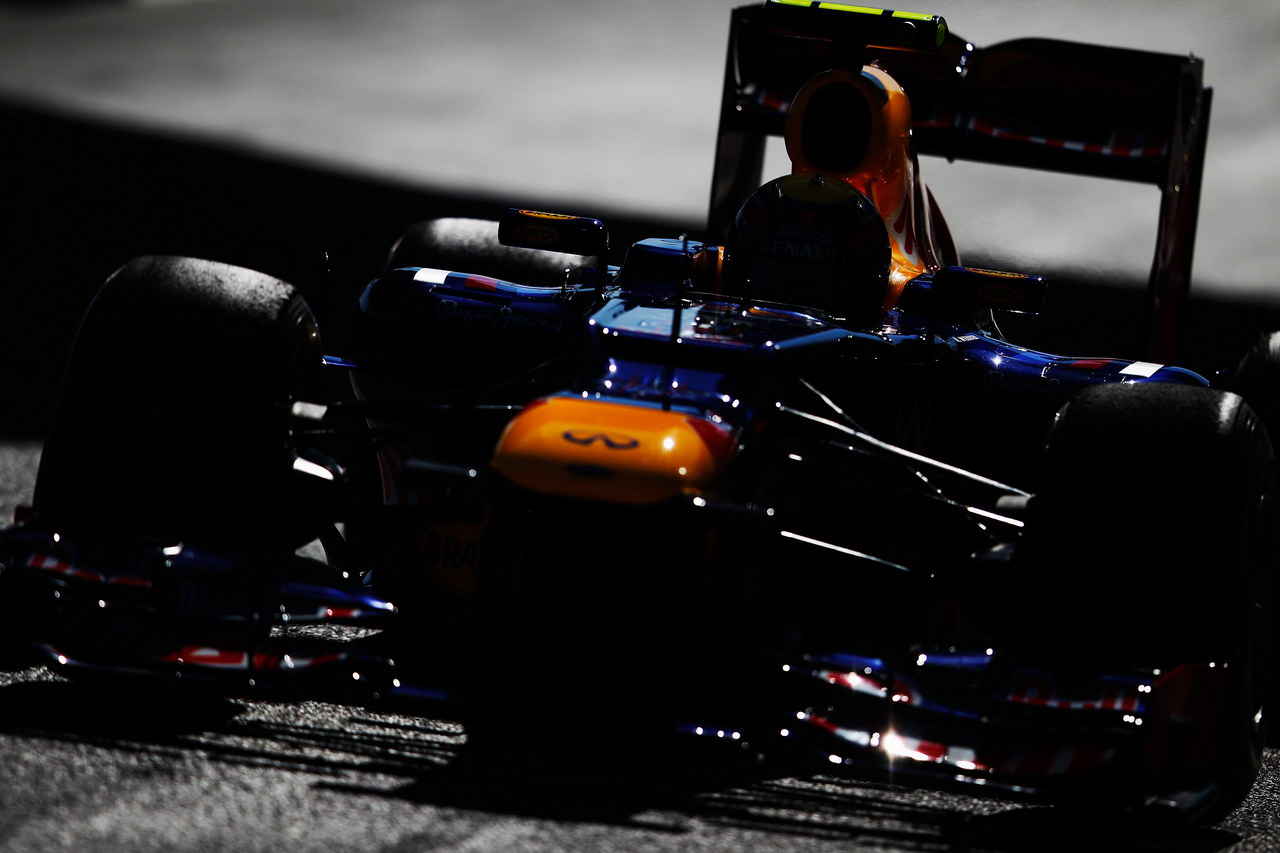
(1257, 379)
(173, 420)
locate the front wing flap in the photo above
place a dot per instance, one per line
(179, 613)
(977, 721)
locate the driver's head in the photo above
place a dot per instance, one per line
(811, 241)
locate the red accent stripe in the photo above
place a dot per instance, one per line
(481, 282)
(1091, 363)
(1122, 143)
(824, 724)
(124, 580)
(979, 125)
(771, 101)
(931, 750)
(717, 439)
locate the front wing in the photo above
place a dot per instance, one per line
(984, 720)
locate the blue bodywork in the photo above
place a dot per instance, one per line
(651, 334)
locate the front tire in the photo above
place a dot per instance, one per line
(1152, 542)
(173, 420)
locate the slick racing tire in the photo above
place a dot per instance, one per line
(1257, 379)
(472, 245)
(173, 420)
(1152, 542)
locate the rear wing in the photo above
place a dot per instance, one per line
(1038, 103)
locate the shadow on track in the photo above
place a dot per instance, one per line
(354, 749)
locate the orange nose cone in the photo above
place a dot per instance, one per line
(608, 451)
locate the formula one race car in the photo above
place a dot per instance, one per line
(784, 491)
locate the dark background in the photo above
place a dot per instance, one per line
(82, 198)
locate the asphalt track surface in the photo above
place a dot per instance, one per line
(398, 100)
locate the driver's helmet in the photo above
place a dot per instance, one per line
(811, 241)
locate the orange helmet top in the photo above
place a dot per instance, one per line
(856, 126)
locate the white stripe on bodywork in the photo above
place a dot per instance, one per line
(1141, 368)
(431, 276)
